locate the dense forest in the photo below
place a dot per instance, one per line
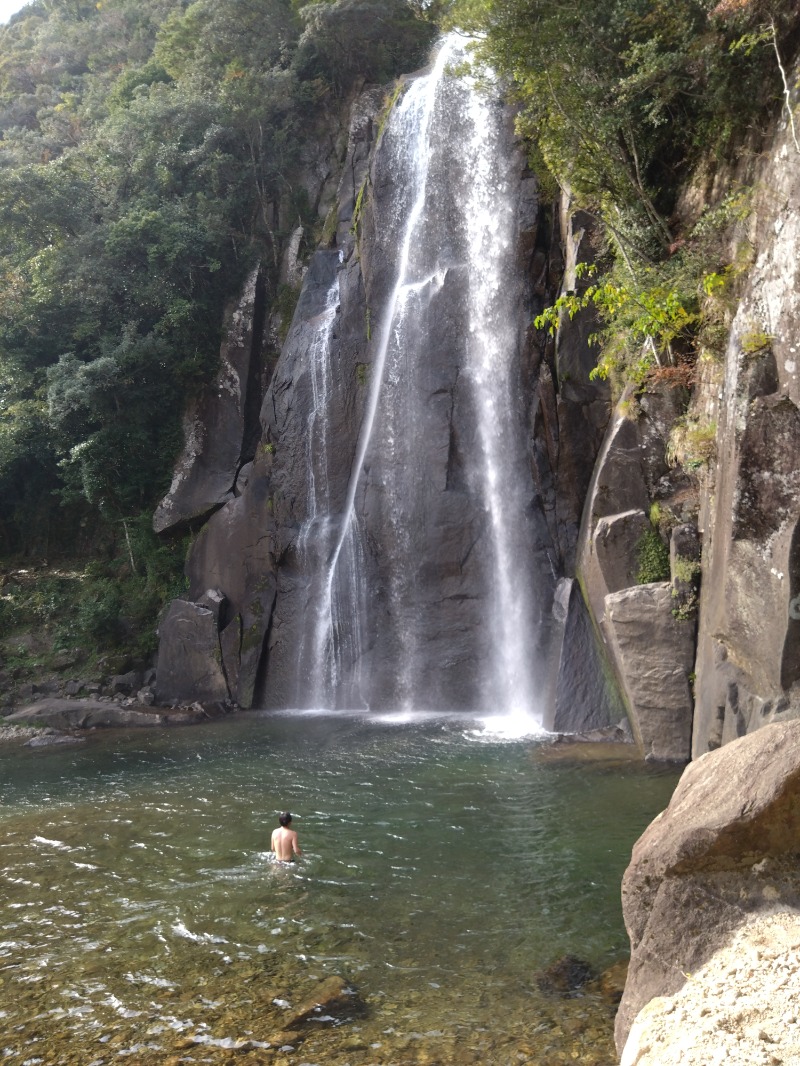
(151, 153)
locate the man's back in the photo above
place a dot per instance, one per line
(284, 844)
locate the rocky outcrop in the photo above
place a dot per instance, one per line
(247, 546)
(649, 640)
(66, 714)
(220, 429)
(582, 405)
(723, 851)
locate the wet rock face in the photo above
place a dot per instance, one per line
(724, 850)
(416, 563)
(586, 694)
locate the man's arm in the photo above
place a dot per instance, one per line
(296, 844)
(272, 841)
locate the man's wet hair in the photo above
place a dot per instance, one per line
(284, 818)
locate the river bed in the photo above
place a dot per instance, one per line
(444, 866)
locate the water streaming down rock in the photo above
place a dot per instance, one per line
(330, 551)
(427, 582)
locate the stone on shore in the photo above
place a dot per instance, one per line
(65, 714)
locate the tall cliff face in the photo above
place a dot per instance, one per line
(350, 566)
(748, 662)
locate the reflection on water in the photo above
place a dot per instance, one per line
(142, 920)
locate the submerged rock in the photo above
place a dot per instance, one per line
(332, 1001)
(611, 982)
(48, 740)
(565, 977)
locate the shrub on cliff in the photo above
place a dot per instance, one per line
(374, 40)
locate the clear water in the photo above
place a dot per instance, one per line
(141, 919)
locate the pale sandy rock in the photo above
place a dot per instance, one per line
(739, 1009)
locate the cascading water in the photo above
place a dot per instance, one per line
(430, 586)
(331, 557)
(494, 374)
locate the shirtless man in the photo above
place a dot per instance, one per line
(284, 839)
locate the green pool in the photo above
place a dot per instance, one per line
(141, 919)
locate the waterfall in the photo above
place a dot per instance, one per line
(429, 584)
(491, 365)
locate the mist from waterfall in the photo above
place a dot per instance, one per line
(451, 231)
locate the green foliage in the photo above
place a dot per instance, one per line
(359, 205)
(692, 443)
(388, 106)
(685, 587)
(353, 39)
(755, 341)
(685, 569)
(91, 609)
(656, 316)
(652, 555)
(283, 307)
(621, 96)
(644, 319)
(619, 99)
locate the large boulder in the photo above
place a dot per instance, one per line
(654, 655)
(189, 656)
(723, 851)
